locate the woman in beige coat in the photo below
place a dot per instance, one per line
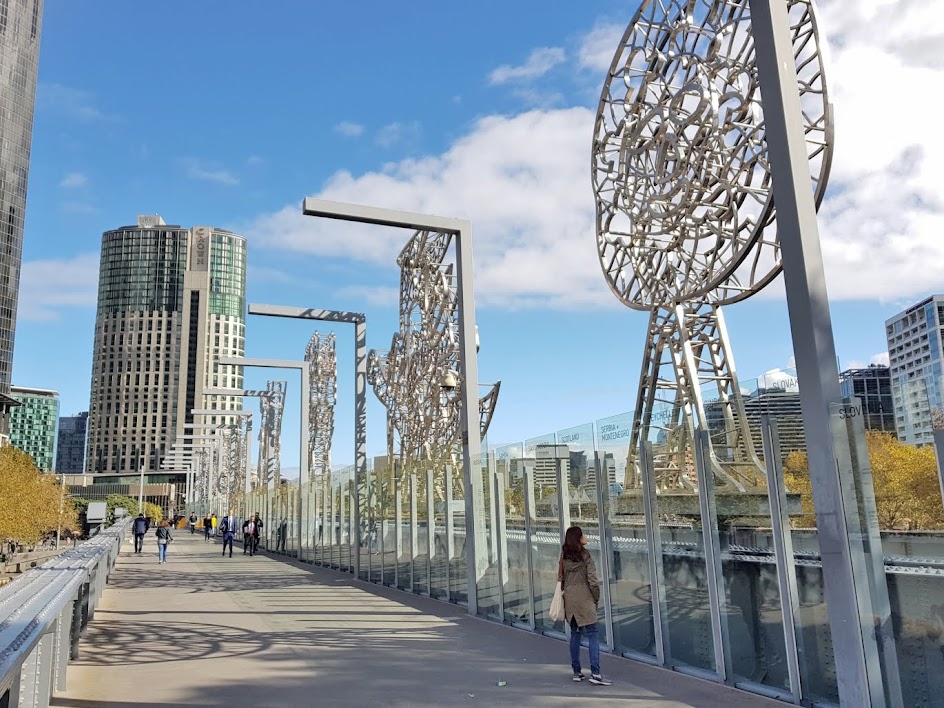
(578, 576)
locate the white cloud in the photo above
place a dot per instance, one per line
(73, 180)
(48, 286)
(395, 133)
(71, 102)
(349, 129)
(881, 359)
(883, 216)
(255, 161)
(598, 46)
(209, 173)
(541, 61)
(524, 180)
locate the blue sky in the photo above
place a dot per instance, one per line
(228, 114)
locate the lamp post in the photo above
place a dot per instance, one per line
(359, 320)
(141, 485)
(302, 368)
(469, 432)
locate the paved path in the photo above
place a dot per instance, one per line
(259, 632)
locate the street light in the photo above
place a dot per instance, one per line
(469, 432)
(141, 485)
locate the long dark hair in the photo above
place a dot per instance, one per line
(573, 549)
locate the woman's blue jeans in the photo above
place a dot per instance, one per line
(162, 551)
(593, 639)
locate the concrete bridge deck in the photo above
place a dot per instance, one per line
(212, 631)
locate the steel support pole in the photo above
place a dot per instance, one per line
(360, 427)
(856, 651)
(248, 488)
(469, 432)
(783, 549)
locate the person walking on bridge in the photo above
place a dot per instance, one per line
(207, 528)
(139, 528)
(163, 540)
(193, 522)
(228, 529)
(249, 534)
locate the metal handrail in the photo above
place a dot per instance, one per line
(43, 613)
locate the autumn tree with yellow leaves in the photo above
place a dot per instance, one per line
(30, 500)
(907, 491)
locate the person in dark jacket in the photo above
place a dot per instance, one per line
(193, 523)
(258, 532)
(249, 533)
(228, 529)
(578, 575)
(139, 528)
(207, 528)
(163, 540)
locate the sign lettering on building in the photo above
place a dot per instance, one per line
(200, 259)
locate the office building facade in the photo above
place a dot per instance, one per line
(70, 448)
(873, 387)
(170, 301)
(20, 24)
(34, 424)
(914, 362)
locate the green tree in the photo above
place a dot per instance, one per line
(907, 492)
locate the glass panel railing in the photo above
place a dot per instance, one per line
(580, 471)
(625, 541)
(516, 587)
(540, 466)
(440, 546)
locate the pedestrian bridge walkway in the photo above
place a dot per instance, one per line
(256, 631)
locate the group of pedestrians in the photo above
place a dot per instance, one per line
(209, 527)
(251, 532)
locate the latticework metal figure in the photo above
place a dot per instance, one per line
(423, 413)
(271, 404)
(685, 213)
(323, 395)
(234, 460)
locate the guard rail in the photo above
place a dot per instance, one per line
(43, 613)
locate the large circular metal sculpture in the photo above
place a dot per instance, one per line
(685, 219)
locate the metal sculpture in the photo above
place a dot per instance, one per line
(271, 404)
(323, 395)
(233, 458)
(417, 380)
(685, 219)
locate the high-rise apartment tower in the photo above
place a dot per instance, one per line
(914, 362)
(170, 301)
(70, 449)
(20, 22)
(34, 423)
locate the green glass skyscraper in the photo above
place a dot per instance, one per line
(34, 423)
(20, 24)
(170, 301)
